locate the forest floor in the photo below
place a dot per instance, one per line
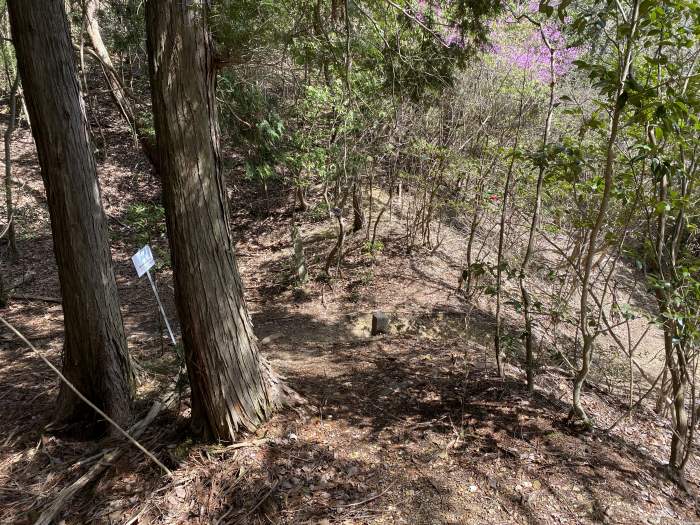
(408, 427)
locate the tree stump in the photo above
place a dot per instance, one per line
(380, 323)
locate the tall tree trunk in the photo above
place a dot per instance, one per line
(232, 385)
(501, 237)
(679, 382)
(95, 357)
(92, 28)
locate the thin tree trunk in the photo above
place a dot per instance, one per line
(387, 205)
(673, 350)
(358, 222)
(587, 335)
(664, 387)
(371, 202)
(524, 267)
(9, 204)
(678, 373)
(116, 88)
(233, 387)
(300, 197)
(300, 268)
(24, 113)
(474, 224)
(501, 238)
(336, 252)
(95, 357)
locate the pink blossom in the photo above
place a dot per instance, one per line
(532, 54)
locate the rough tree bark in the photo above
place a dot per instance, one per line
(233, 387)
(95, 357)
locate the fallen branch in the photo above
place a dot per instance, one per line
(103, 464)
(85, 399)
(31, 297)
(372, 498)
(136, 518)
(7, 228)
(262, 500)
(242, 444)
(236, 481)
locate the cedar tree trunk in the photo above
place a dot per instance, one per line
(232, 385)
(95, 357)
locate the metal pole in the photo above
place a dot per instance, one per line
(160, 305)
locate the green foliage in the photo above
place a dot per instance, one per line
(147, 220)
(395, 51)
(367, 277)
(321, 99)
(148, 224)
(250, 116)
(371, 248)
(248, 26)
(125, 25)
(8, 62)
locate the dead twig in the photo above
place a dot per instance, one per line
(102, 465)
(138, 515)
(364, 501)
(257, 505)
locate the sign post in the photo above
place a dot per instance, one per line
(143, 262)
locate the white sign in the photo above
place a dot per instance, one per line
(143, 260)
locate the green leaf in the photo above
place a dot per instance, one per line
(662, 207)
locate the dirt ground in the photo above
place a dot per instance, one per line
(409, 427)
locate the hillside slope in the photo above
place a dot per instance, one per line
(408, 427)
